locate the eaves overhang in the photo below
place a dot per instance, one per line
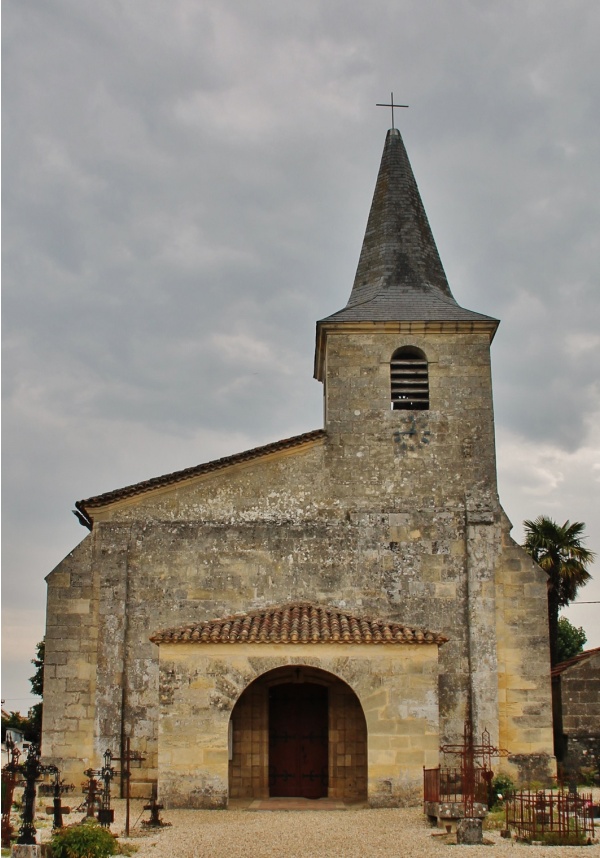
(84, 509)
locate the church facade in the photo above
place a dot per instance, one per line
(315, 617)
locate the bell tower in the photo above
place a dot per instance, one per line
(410, 426)
(406, 370)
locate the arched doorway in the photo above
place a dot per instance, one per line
(298, 731)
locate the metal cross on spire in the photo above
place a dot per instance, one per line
(392, 105)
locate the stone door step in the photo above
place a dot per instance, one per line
(293, 803)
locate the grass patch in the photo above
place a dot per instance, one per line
(553, 838)
(495, 820)
(128, 848)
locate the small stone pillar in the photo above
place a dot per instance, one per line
(469, 831)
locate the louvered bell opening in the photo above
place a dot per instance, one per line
(410, 383)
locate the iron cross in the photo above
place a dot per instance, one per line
(392, 105)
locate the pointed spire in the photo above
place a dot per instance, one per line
(398, 249)
(400, 275)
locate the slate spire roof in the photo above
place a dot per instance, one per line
(400, 276)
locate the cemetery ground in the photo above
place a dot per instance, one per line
(350, 833)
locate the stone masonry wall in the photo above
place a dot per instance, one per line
(249, 764)
(580, 697)
(393, 514)
(348, 765)
(178, 572)
(70, 664)
(580, 692)
(525, 701)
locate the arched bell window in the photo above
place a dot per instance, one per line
(409, 379)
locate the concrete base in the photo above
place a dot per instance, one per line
(449, 814)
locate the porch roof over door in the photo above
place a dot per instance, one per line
(297, 623)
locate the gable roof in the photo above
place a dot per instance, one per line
(299, 623)
(581, 656)
(83, 507)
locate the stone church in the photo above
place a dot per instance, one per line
(315, 616)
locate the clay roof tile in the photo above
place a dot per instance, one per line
(298, 624)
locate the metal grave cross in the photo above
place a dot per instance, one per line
(469, 752)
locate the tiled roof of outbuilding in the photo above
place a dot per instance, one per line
(83, 506)
(581, 656)
(297, 624)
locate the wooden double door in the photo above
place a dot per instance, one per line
(298, 740)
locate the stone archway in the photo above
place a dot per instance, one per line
(298, 730)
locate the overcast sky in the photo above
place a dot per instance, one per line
(186, 188)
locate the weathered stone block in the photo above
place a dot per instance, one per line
(469, 831)
(21, 850)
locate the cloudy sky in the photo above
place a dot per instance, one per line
(186, 187)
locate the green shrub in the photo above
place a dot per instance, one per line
(502, 787)
(86, 840)
(589, 776)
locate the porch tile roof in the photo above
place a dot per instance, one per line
(297, 624)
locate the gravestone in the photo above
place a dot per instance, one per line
(26, 850)
(469, 831)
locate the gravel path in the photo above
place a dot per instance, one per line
(392, 833)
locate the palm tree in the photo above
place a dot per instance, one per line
(559, 551)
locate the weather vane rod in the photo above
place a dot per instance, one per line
(392, 105)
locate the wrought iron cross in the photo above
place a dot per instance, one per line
(469, 751)
(392, 105)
